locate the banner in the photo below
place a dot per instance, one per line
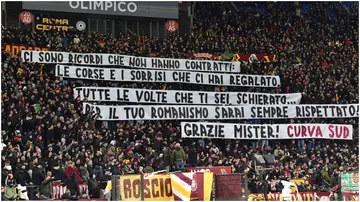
(349, 181)
(130, 187)
(205, 112)
(128, 61)
(217, 170)
(302, 196)
(230, 187)
(58, 190)
(350, 196)
(156, 188)
(165, 10)
(56, 24)
(260, 132)
(204, 184)
(181, 186)
(15, 49)
(183, 97)
(112, 74)
(240, 57)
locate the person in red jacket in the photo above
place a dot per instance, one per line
(72, 169)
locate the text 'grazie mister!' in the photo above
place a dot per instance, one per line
(238, 131)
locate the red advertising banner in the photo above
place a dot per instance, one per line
(238, 57)
(58, 190)
(218, 170)
(229, 187)
(15, 49)
(303, 196)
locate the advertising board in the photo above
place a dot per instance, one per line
(169, 10)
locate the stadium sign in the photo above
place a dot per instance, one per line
(57, 24)
(168, 10)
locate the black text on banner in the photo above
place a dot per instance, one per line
(183, 97)
(206, 112)
(52, 57)
(259, 132)
(112, 74)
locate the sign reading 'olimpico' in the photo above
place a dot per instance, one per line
(169, 10)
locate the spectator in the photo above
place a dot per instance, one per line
(178, 157)
(149, 168)
(58, 173)
(278, 152)
(22, 176)
(72, 185)
(38, 175)
(46, 186)
(70, 170)
(37, 197)
(192, 156)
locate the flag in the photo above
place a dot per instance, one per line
(20, 71)
(236, 57)
(181, 186)
(37, 107)
(203, 183)
(102, 43)
(227, 56)
(108, 187)
(41, 70)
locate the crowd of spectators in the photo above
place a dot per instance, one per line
(45, 137)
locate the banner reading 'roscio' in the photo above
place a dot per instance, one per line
(183, 97)
(205, 112)
(113, 74)
(265, 131)
(156, 188)
(52, 57)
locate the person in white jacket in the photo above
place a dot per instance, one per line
(286, 191)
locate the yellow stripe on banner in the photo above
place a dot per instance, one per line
(208, 181)
(180, 189)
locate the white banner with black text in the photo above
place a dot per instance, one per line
(183, 97)
(113, 74)
(265, 131)
(197, 112)
(99, 59)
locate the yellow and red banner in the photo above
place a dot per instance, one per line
(203, 184)
(156, 188)
(15, 49)
(181, 186)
